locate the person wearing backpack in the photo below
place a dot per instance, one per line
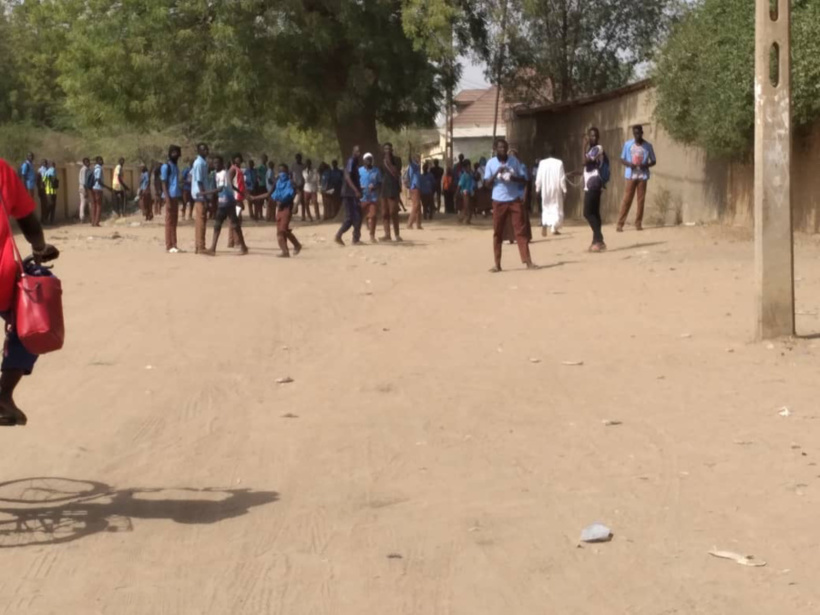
(596, 172)
(638, 157)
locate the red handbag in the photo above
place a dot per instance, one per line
(37, 307)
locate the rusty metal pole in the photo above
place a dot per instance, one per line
(774, 250)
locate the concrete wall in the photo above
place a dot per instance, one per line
(68, 194)
(686, 183)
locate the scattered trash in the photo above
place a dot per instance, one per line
(116, 235)
(597, 532)
(795, 446)
(784, 411)
(572, 363)
(290, 415)
(285, 380)
(770, 346)
(744, 442)
(285, 347)
(534, 360)
(149, 367)
(685, 336)
(475, 528)
(743, 560)
(135, 224)
(730, 350)
(610, 423)
(394, 556)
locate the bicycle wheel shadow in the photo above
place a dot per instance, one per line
(52, 510)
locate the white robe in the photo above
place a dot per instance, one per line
(551, 182)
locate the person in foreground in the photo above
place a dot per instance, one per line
(16, 202)
(594, 158)
(506, 176)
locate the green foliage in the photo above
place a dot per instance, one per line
(563, 49)
(705, 75)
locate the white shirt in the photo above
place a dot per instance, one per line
(311, 178)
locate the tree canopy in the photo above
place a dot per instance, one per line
(705, 74)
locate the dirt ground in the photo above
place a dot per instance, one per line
(433, 454)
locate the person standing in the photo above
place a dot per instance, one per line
(466, 191)
(41, 188)
(448, 188)
(270, 185)
(97, 192)
(551, 184)
(507, 178)
(145, 194)
(28, 175)
(427, 189)
(159, 198)
(172, 192)
(283, 196)
(251, 186)
(638, 156)
(370, 179)
(16, 202)
(119, 188)
(200, 193)
(50, 185)
(438, 174)
(311, 188)
(335, 182)
(226, 184)
(390, 191)
(261, 187)
(351, 193)
(414, 185)
(297, 177)
(187, 200)
(82, 180)
(594, 157)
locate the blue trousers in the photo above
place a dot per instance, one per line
(353, 217)
(15, 355)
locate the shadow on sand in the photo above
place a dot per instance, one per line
(47, 510)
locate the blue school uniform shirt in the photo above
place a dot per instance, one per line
(631, 151)
(144, 178)
(29, 177)
(284, 192)
(98, 178)
(414, 175)
(170, 175)
(199, 175)
(250, 179)
(466, 183)
(427, 183)
(506, 191)
(367, 177)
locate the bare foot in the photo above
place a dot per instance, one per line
(496, 269)
(532, 266)
(244, 250)
(283, 255)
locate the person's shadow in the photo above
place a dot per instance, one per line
(46, 510)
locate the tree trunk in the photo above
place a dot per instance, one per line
(357, 129)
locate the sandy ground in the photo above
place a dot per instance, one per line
(433, 455)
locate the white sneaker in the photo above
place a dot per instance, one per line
(174, 251)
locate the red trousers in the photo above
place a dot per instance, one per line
(501, 213)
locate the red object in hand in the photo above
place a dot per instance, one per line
(38, 313)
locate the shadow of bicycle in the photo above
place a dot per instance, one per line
(50, 510)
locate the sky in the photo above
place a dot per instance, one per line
(472, 76)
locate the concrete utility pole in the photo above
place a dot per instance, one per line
(499, 67)
(774, 250)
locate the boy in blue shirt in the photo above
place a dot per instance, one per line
(370, 178)
(466, 190)
(638, 157)
(172, 193)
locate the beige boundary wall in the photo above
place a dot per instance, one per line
(68, 194)
(686, 183)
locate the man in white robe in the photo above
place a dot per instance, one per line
(551, 183)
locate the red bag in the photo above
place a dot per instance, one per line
(37, 307)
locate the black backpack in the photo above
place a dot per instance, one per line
(89, 180)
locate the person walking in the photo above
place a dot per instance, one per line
(227, 186)
(283, 196)
(638, 156)
(370, 179)
(551, 184)
(466, 192)
(414, 185)
(50, 185)
(16, 202)
(390, 192)
(82, 180)
(119, 188)
(172, 192)
(351, 193)
(506, 176)
(594, 158)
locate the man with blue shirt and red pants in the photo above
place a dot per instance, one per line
(507, 178)
(638, 157)
(172, 191)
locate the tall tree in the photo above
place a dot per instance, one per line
(705, 74)
(562, 49)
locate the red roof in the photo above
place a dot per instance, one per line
(480, 112)
(465, 97)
